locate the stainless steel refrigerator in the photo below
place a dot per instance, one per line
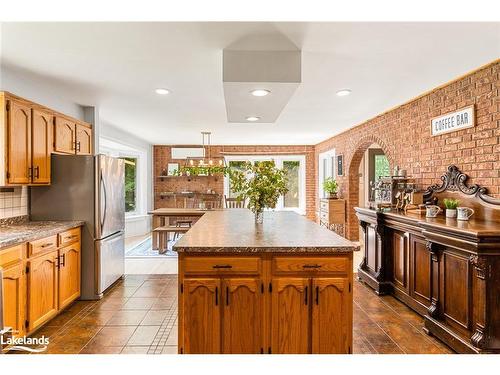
(92, 189)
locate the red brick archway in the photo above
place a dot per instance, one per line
(358, 149)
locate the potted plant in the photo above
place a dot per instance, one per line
(261, 184)
(451, 206)
(331, 187)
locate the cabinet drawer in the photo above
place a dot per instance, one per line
(11, 255)
(310, 264)
(205, 265)
(323, 216)
(70, 236)
(323, 206)
(43, 245)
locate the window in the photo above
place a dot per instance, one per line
(295, 199)
(327, 161)
(381, 166)
(130, 184)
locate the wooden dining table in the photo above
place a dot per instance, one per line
(162, 216)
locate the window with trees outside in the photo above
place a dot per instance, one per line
(130, 184)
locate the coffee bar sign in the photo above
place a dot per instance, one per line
(454, 121)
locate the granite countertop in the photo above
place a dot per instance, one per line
(234, 231)
(13, 234)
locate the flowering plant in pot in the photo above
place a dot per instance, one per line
(331, 187)
(451, 206)
(261, 184)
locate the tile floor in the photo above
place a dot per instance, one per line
(139, 316)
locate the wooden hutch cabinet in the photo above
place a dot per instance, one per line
(445, 269)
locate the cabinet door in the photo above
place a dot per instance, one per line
(242, 322)
(14, 298)
(83, 139)
(42, 289)
(331, 316)
(19, 143)
(420, 271)
(64, 136)
(41, 137)
(290, 315)
(400, 259)
(202, 320)
(69, 274)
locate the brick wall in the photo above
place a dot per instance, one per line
(162, 156)
(404, 135)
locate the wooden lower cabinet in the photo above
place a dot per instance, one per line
(201, 307)
(290, 323)
(69, 274)
(400, 259)
(43, 284)
(14, 298)
(287, 305)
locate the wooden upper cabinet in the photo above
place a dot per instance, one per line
(201, 308)
(243, 317)
(83, 139)
(14, 289)
(290, 315)
(69, 274)
(331, 316)
(43, 289)
(41, 136)
(18, 143)
(64, 135)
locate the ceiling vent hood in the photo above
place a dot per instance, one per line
(278, 72)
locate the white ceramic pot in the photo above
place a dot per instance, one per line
(451, 212)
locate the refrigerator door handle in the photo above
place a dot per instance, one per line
(105, 198)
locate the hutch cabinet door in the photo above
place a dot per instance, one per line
(242, 318)
(290, 315)
(64, 136)
(42, 146)
(42, 289)
(420, 286)
(14, 298)
(69, 274)
(19, 143)
(83, 139)
(202, 318)
(331, 316)
(371, 249)
(400, 259)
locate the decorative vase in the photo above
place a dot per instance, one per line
(259, 217)
(451, 212)
(332, 196)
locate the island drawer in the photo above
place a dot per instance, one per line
(69, 236)
(11, 255)
(310, 264)
(217, 265)
(42, 245)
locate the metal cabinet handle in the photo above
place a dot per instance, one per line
(305, 298)
(227, 296)
(216, 296)
(47, 245)
(30, 172)
(317, 295)
(37, 172)
(217, 266)
(63, 263)
(311, 266)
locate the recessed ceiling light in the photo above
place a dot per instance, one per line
(343, 92)
(162, 91)
(260, 92)
(253, 118)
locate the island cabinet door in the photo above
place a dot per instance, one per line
(331, 316)
(202, 319)
(242, 316)
(42, 289)
(290, 315)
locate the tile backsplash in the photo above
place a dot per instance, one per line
(13, 202)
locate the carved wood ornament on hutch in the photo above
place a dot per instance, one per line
(445, 269)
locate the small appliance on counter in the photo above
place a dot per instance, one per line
(92, 189)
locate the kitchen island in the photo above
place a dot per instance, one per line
(284, 286)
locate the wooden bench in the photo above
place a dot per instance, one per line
(163, 233)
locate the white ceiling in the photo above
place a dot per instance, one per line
(117, 66)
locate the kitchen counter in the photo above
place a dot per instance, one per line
(13, 234)
(234, 230)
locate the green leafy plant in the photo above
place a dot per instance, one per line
(201, 170)
(450, 203)
(260, 183)
(330, 185)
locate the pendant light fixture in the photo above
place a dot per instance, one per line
(206, 160)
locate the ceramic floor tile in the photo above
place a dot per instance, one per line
(127, 318)
(143, 335)
(113, 336)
